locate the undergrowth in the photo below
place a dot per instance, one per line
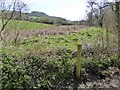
(48, 61)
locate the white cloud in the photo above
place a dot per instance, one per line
(69, 9)
(70, 12)
(35, 1)
(40, 1)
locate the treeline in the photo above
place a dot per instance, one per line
(101, 14)
(49, 20)
(41, 17)
(106, 14)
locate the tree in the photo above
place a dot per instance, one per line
(97, 12)
(117, 14)
(9, 6)
(90, 14)
(100, 12)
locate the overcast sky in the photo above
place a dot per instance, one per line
(69, 9)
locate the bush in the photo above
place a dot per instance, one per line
(35, 71)
(14, 74)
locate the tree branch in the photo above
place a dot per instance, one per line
(5, 23)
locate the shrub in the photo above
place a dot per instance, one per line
(35, 71)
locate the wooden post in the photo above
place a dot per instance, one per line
(79, 50)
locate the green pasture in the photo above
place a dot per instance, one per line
(25, 25)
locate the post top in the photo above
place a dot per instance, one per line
(79, 44)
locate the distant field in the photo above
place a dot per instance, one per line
(25, 25)
(30, 29)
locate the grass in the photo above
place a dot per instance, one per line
(85, 37)
(25, 25)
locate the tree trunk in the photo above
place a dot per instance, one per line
(117, 13)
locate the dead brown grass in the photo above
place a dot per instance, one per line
(56, 30)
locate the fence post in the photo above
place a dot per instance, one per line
(79, 50)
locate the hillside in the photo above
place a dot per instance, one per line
(39, 17)
(38, 14)
(25, 25)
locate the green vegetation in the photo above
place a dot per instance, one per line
(38, 17)
(89, 36)
(48, 61)
(34, 57)
(25, 25)
(69, 41)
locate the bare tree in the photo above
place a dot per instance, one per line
(12, 6)
(90, 14)
(100, 12)
(97, 11)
